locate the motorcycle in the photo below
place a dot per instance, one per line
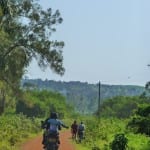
(52, 141)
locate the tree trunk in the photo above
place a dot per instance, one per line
(2, 102)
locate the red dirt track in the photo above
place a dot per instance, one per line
(35, 144)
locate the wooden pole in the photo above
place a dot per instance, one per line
(99, 97)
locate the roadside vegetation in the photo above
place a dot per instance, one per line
(101, 131)
(112, 131)
(16, 128)
(24, 121)
(123, 123)
(101, 134)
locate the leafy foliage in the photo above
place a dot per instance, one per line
(100, 134)
(15, 128)
(7, 101)
(41, 103)
(119, 143)
(121, 106)
(25, 29)
(141, 122)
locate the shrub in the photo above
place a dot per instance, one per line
(119, 143)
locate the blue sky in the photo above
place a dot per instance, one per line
(105, 40)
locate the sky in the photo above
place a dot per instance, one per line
(105, 40)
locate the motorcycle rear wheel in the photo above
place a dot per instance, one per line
(52, 147)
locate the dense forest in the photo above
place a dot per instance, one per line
(83, 96)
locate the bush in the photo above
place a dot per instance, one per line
(119, 143)
(140, 123)
(14, 128)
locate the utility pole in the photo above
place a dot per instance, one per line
(99, 97)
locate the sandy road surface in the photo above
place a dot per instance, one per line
(35, 144)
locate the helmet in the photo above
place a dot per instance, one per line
(54, 115)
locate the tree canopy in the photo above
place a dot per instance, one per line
(25, 31)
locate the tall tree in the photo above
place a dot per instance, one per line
(25, 31)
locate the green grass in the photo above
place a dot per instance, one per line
(100, 133)
(15, 128)
(81, 147)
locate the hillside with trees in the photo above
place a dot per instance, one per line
(82, 95)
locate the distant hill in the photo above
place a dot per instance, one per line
(82, 95)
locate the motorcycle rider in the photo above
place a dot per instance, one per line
(52, 125)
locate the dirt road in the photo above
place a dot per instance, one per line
(35, 144)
